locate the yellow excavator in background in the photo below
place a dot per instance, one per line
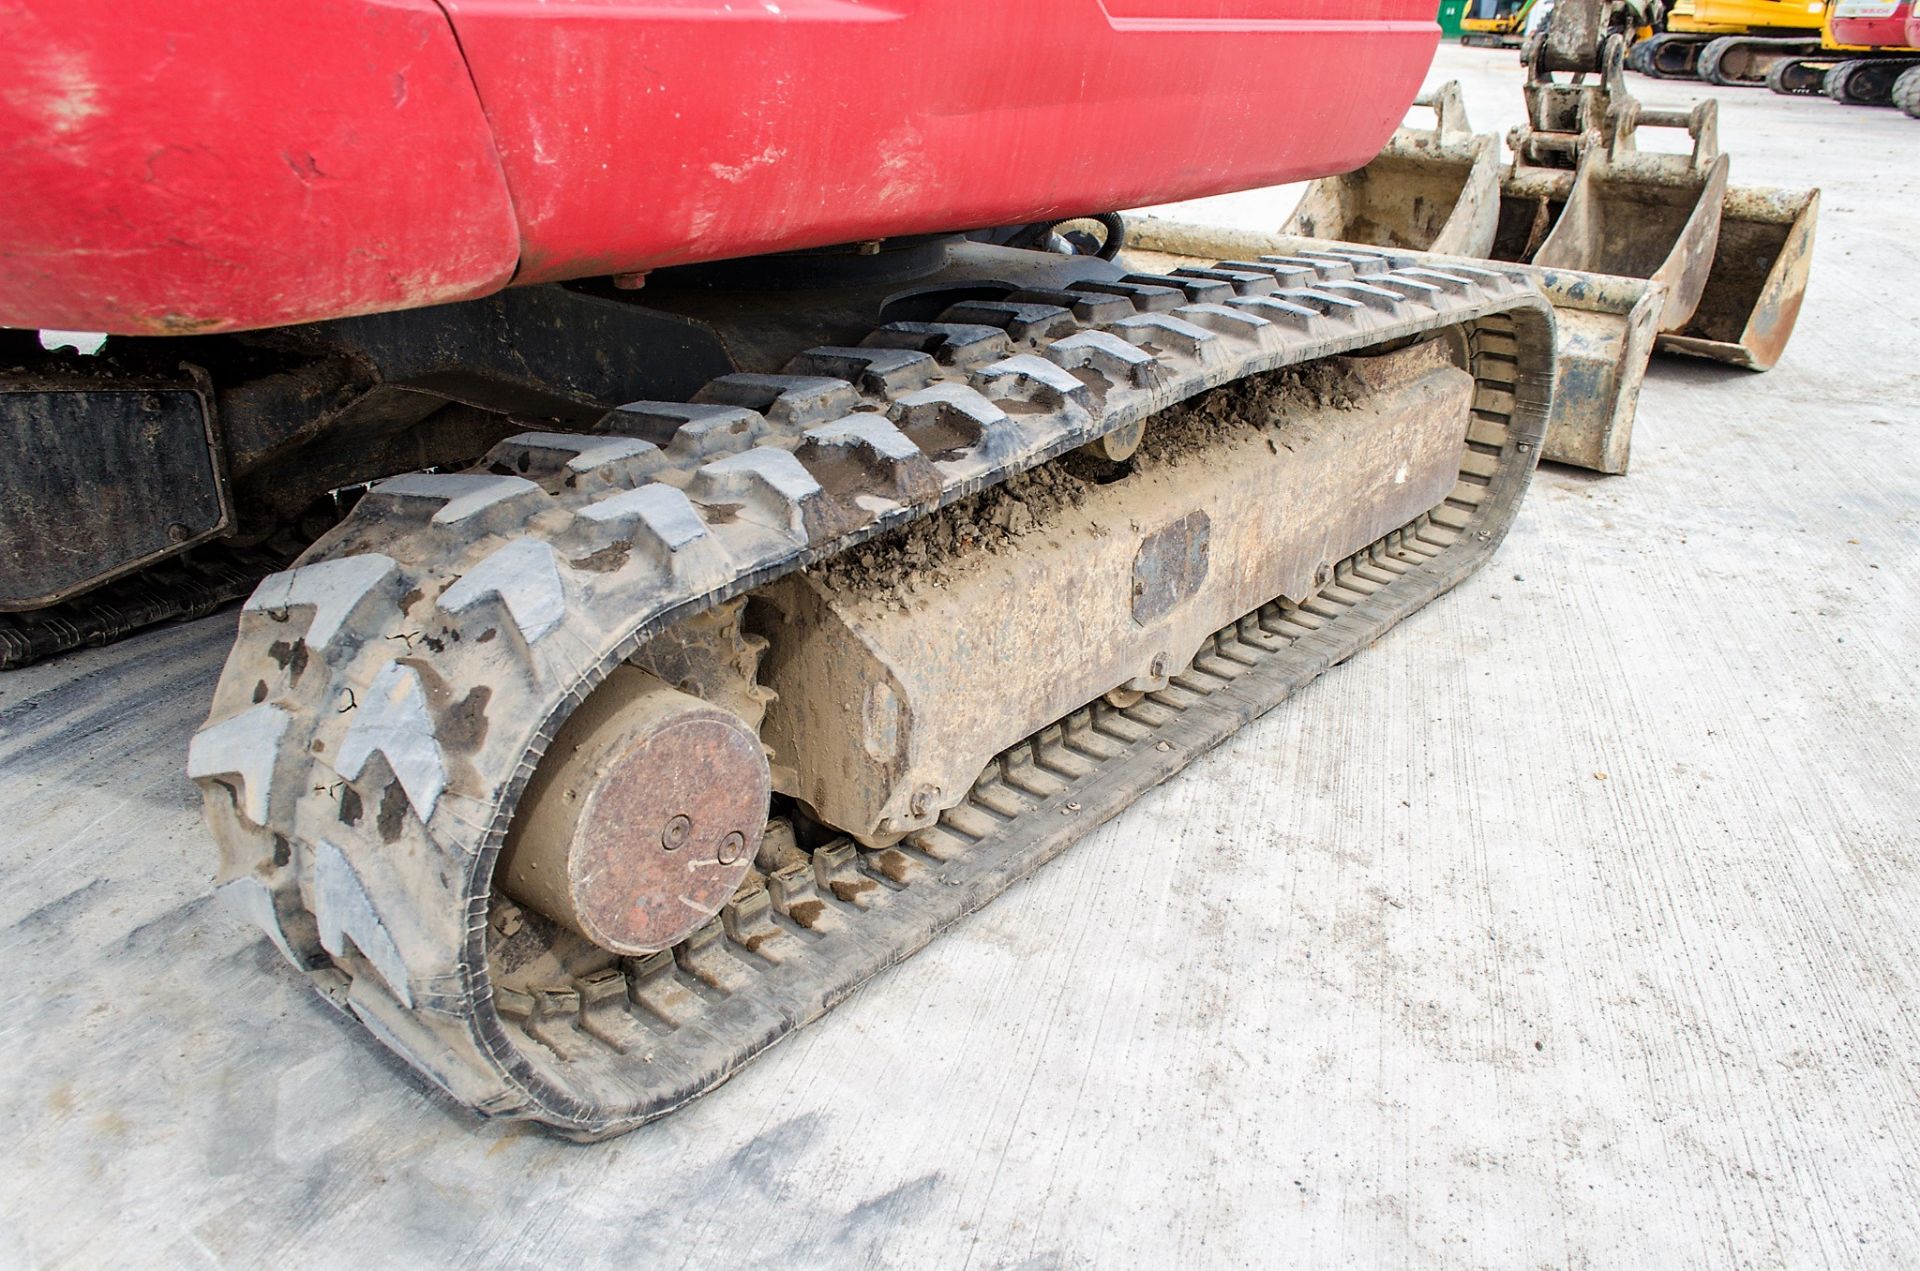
(1728, 42)
(1868, 57)
(1501, 24)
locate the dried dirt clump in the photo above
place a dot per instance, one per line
(993, 521)
(926, 550)
(1260, 402)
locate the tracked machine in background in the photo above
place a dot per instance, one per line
(1729, 42)
(1638, 250)
(1884, 31)
(743, 549)
(1504, 28)
(1906, 88)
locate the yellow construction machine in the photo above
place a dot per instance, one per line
(1501, 24)
(1729, 42)
(1868, 57)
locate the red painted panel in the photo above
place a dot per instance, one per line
(236, 163)
(1872, 25)
(193, 165)
(638, 133)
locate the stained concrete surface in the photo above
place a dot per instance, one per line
(1574, 924)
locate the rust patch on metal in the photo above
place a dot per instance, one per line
(642, 819)
(1170, 566)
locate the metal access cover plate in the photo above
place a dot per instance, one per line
(96, 481)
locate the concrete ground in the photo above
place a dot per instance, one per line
(1575, 924)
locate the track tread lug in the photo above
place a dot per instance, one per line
(786, 400)
(948, 343)
(455, 497)
(524, 577)
(1021, 321)
(881, 372)
(392, 720)
(247, 746)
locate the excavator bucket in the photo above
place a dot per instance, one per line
(1637, 249)
(1432, 189)
(1623, 241)
(1619, 210)
(1757, 280)
(1733, 259)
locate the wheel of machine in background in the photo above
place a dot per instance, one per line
(1906, 92)
(1798, 77)
(1673, 55)
(1745, 61)
(1863, 82)
(1840, 85)
(1710, 58)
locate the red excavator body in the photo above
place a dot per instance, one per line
(1872, 24)
(235, 164)
(581, 393)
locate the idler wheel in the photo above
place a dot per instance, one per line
(641, 819)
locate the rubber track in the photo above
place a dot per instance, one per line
(1716, 51)
(1865, 81)
(1906, 92)
(387, 699)
(191, 585)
